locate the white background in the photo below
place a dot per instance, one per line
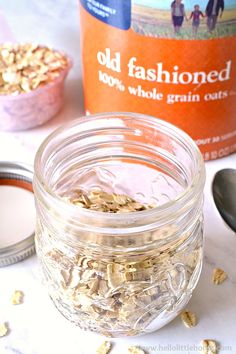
(36, 326)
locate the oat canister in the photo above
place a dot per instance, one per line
(175, 60)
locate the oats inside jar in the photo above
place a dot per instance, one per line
(119, 229)
(99, 200)
(122, 293)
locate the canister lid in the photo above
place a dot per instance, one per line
(17, 212)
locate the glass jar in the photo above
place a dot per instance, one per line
(120, 274)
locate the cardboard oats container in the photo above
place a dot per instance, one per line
(175, 60)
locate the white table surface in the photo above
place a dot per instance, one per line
(36, 327)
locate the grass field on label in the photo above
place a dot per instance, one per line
(157, 23)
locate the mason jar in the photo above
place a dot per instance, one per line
(127, 273)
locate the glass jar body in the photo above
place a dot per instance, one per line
(119, 275)
(120, 293)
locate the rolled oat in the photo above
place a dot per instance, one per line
(189, 319)
(219, 276)
(3, 329)
(17, 297)
(104, 348)
(209, 346)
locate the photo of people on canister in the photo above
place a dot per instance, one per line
(196, 16)
(184, 19)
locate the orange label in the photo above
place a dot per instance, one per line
(130, 66)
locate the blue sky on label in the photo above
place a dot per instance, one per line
(165, 4)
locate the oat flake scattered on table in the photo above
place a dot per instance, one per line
(3, 329)
(219, 276)
(209, 346)
(104, 348)
(17, 297)
(189, 319)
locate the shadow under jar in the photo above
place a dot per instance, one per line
(120, 274)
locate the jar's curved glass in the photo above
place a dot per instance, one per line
(120, 274)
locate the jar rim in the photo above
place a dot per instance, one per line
(195, 186)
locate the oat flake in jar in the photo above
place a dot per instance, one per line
(119, 221)
(175, 60)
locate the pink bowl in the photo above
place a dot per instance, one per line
(28, 110)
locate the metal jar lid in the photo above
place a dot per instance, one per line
(21, 176)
